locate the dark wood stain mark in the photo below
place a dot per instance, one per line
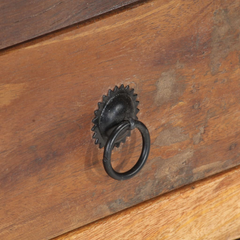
(232, 146)
(225, 36)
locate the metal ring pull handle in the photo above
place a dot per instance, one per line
(123, 127)
(114, 120)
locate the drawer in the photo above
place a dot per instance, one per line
(183, 62)
(207, 209)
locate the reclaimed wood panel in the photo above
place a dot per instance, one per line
(181, 57)
(207, 210)
(21, 20)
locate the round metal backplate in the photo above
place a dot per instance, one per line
(119, 104)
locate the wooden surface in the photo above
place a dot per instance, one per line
(208, 210)
(21, 20)
(182, 58)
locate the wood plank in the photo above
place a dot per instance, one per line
(21, 20)
(181, 57)
(209, 209)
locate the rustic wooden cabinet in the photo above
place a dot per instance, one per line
(182, 58)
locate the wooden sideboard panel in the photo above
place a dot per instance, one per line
(181, 57)
(207, 210)
(21, 20)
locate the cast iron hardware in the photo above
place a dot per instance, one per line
(115, 118)
(124, 126)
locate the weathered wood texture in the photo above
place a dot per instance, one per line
(183, 60)
(21, 20)
(208, 210)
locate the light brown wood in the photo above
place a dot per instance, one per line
(206, 210)
(182, 59)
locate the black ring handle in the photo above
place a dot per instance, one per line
(124, 126)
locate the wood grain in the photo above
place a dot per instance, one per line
(182, 58)
(208, 210)
(21, 20)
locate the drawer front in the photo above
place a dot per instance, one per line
(183, 62)
(204, 210)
